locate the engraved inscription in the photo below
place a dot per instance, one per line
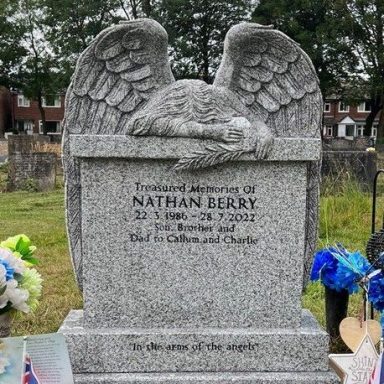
(200, 346)
(193, 213)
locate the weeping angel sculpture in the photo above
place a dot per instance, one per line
(266, 86)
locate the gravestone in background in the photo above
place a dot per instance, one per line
(29, 168)
(191, 212)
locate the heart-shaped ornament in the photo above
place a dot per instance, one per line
(352, 331)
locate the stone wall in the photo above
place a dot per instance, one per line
(361, 165)
(29, 170)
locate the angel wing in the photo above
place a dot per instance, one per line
(121, 69)
(274, 79)
(277, 83)
(114, 77)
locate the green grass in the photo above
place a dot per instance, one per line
(41, 217)
(345, 217)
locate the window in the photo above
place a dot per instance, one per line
(327, 107)
(328, 130)
(53, 127)
(364, 107)
(374, 130)
(52, 101)
(25, 126)
(22, 101)
(343, 107)
(360, 130)
(350, 130)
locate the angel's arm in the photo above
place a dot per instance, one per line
(231, 131)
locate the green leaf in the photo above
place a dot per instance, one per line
(23, 245)
(18, 277)
(32, 249)
(3, 289)
(10, 243)
(30, 259)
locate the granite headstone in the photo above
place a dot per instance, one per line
(191, 211)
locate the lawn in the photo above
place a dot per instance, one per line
(345, 217)
(41, 217)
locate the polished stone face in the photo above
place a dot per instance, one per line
(221, 247)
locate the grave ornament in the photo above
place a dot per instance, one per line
(265, 87)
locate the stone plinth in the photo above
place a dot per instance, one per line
(193, 276)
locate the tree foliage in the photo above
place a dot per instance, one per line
(27, 57)
(344, 39)
(197, 30)
(363, 20)
(11, 49)
(72, 24)
(42, 39)
(314, 25)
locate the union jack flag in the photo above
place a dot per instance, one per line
(377, 376)
(30, 376)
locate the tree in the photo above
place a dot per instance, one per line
(344, 39)
(26, 56)
(72, 24)
(133, 9)
(11, 49)
(364, 21)
(196, 30)
(38, 69)
(313, 24)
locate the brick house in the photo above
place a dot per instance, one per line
(340, 119)
(26, 115)
(347, 121)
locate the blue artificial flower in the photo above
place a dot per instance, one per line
(324, 264)
(9, 271)
(339, 269)
(350, 270)
(376, 291)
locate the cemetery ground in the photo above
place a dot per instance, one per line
(345, 217)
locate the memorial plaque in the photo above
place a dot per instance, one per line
(191, 211)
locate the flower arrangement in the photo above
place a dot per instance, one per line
(339, 269)
(20, 284)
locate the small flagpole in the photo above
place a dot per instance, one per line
(24, 357)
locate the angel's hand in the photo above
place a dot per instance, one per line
(233, 135)
(263, 145)
(258, 139)
(235, 130)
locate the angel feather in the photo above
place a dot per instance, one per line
(266, 86)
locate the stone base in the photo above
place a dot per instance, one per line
(117, 355)
(205, 378)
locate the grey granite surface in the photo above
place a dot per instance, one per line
(199, 269)
(208, 378)
(192, 257)
(106, 146)
(266, 88)
(195, 349)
